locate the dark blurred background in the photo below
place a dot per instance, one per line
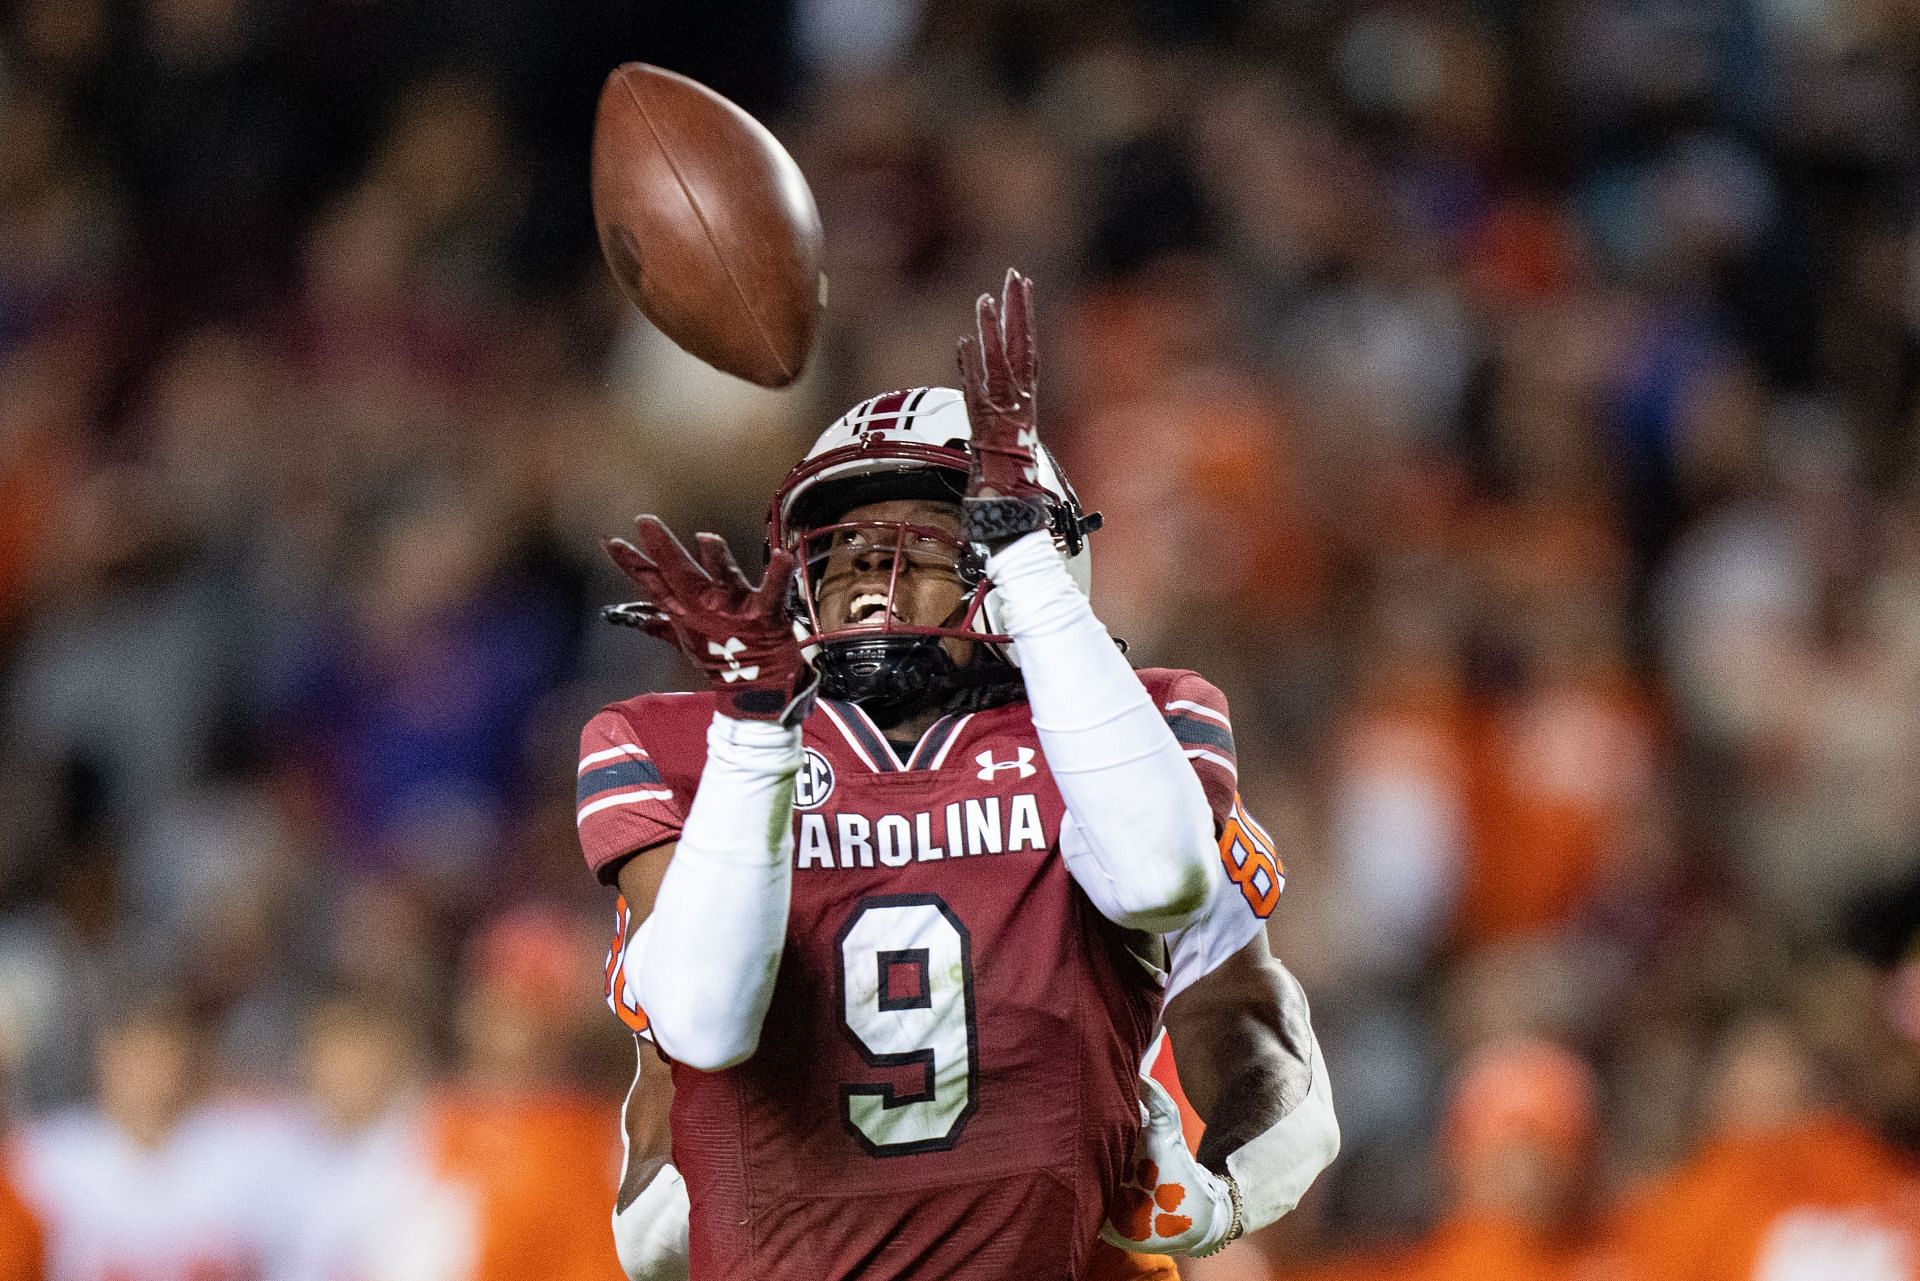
(1511, 406)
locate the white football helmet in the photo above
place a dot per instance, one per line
(906, 444)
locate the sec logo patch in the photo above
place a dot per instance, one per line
(814, 783)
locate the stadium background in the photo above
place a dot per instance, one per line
(1510, 405)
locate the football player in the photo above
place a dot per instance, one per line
(1252, 1067)
(900, 884)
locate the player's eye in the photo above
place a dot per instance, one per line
(834, 553)
(931, 553)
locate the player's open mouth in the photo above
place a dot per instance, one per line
(868, 609)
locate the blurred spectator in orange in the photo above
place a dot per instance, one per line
(1566, 758)
(43, 390)
(23, 1247)
(537, 1156)
(1783, 1186)
(1519, 1146)
(1566, 788)
(1219, 527)
(506, 1172)
(162, 1179)
(23, 1244)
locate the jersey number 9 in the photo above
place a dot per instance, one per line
(906, 988)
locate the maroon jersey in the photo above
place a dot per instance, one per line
(944, 1085)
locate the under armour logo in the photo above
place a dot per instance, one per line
(1023, 762)
(734, 672)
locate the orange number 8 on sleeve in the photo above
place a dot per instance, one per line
(1251, 861)
(619, 995)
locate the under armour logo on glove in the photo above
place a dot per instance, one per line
(727, 652)
(1022, 761)
(740, 635)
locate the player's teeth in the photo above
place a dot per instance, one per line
(867, 605)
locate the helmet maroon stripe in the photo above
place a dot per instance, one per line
(883, 413)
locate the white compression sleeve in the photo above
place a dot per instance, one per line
(1276, 1167)
(704, 962)
(650, 1235)
(1147, 856)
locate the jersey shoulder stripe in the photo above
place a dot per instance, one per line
(1195, 732)
(628, 771)
(639, 797)
(1187, 697)
(1189, 707)
(625, 800)
(1196, 711)
(614, 753)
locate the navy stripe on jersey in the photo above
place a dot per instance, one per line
(627, 773)
(1195, 732)
(932, 741)
(862, 732)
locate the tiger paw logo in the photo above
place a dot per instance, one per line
(1146, 1207)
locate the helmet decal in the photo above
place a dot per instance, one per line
(892, 411)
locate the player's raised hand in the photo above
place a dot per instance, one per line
(740, 635)
(1171, 1204)
(1000, 376)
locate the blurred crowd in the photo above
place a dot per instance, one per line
(1511, 406)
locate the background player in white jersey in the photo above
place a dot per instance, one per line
(897, 614)
(159, 1181)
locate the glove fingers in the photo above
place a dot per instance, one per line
(1161, 1108)
(632, 562)
(973, 381)
(998, 382)
(771, 597)
(649, 618)
(1016, 312)
(684, 579)
(717, 559)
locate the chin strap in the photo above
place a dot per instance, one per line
(894, 674)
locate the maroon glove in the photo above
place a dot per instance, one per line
(741, 636)
(999, 375)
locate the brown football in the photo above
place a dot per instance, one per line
(707, 223)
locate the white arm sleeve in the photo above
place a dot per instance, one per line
(703, 963)
(1145, 853)
(1275, 1168)
(650, 1235)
